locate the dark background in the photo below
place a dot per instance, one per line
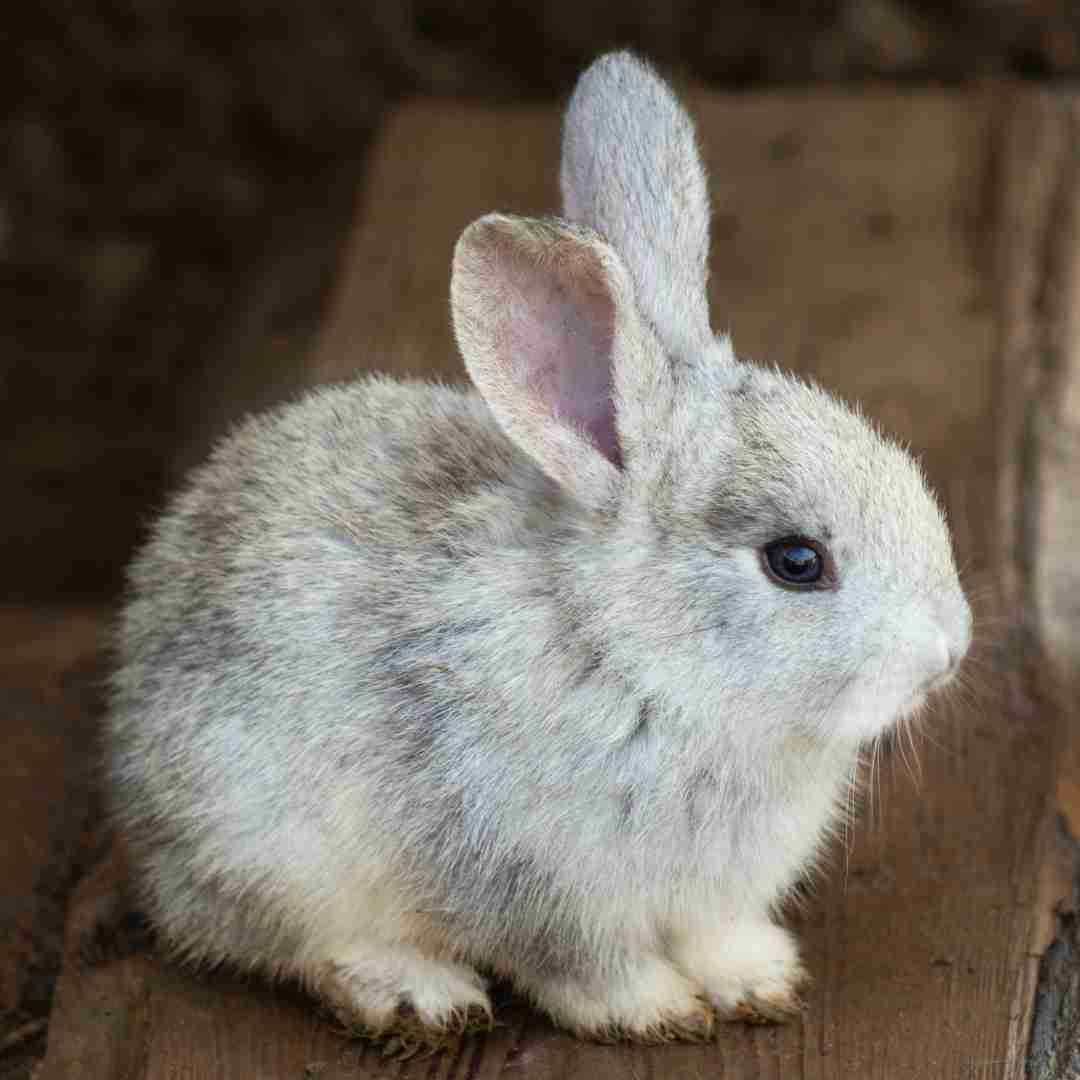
(179, 178)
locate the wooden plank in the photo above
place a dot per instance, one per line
(856, 239)
(49, 705)
(1039, 297)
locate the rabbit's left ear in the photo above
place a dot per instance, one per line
(631, 171)
(545, 319)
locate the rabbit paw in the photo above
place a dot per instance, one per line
(751, 972)
(652, 1003)
(421, 1001)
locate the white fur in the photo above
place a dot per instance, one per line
(630, 169)
(742, 963)
(414, 684)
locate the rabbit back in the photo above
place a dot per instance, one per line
(268, 617)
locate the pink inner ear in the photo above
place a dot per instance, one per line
(563, 334)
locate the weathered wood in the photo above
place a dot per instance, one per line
(1039, 300)
(869, 241)
(48, 715)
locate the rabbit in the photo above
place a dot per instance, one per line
(560, 679)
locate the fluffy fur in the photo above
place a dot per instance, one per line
(416, 683)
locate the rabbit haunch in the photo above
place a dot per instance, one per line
(416, 683)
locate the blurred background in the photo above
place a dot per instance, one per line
(180, 178)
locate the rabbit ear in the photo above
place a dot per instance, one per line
(545, 320)
(631, 171)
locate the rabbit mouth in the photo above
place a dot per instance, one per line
(930, 686)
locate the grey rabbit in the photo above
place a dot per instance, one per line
(561, 679)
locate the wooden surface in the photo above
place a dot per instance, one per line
(913, 250)
(49, 711)
(1038, 296)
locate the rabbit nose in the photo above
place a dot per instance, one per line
(955, 632)
(954, 649)
(953, 641)
(946, 660)
(955, 656)
(960, 632)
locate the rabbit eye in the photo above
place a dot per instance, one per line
(796, 562)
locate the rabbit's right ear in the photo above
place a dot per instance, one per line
(546, 322)
(631, 171)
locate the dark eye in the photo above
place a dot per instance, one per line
(796, 562)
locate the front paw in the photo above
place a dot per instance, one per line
(420, 1001)
(649, 1002)
(750, 971)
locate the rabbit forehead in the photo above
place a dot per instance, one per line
(803, 463)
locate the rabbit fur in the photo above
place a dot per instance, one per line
(418, 682)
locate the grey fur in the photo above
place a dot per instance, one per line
(413, 680)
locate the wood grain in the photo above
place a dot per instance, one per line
(1039, 300)
(49, 705)
(880, 243)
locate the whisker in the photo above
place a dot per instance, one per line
(875, 808)
(875, 774)
(915, 766)
(947, 751)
